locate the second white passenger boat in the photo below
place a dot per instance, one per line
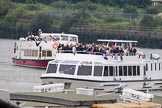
(37, 51)
(107, 71)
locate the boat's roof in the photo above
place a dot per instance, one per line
(73, 59)
(47, 34)
(122, 41)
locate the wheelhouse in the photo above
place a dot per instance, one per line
(62, 38)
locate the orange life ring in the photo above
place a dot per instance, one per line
(54, 46)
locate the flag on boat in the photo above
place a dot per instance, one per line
(55, 42)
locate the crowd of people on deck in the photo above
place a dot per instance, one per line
(97, 49)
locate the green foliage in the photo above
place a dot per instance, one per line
(32, 7)
(114, 19)
(19, 13)
(154, 9)
(60, 4)
(29, 1)
(67, 23)
(21, 16)
(43, 21)
(8, 21)
(5, 6)
(85, 5)
(96, 21)
(150, 21)
(123, 3)
(140, 3)
(78, 18)
(34, 1)
(118, 3)
(130, 9)
(158, 20)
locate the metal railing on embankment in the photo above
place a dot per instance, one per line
(118, 31)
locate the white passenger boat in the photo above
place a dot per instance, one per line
(111, 70)
(36, 51)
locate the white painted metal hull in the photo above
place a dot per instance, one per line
(107, 86)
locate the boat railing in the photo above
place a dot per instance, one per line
(80, 52)
(98, 53)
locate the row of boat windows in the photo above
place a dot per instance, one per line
(154, 66)
(61, 38)
(34, 53)
(98, 70)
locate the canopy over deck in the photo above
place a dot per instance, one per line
(122, 41)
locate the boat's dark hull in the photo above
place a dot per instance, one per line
(31, 63)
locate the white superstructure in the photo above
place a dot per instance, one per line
(36, 51)
(136, 71)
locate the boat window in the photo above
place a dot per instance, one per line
(46, 53)
(49, 53)
(151, 66)
(146, 67)
(33, 53)
(46, 38)
(15, 47)
(43, 53)
(25, 53)
(73, 39)
(86, 62)
(111, 70)
(138, 70)
(64, 38)
(130, 70)
(71, 62)
(120, 70)
(159, 66)
(57, 37)
(67, 69)
(29, 52)
(84, 70)
(134, 70)
(125, 70)
(106, 71)
(51, 68)
(155, 66)
(116, 71)
(98, 63)
(40, 50)
(98, 70)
